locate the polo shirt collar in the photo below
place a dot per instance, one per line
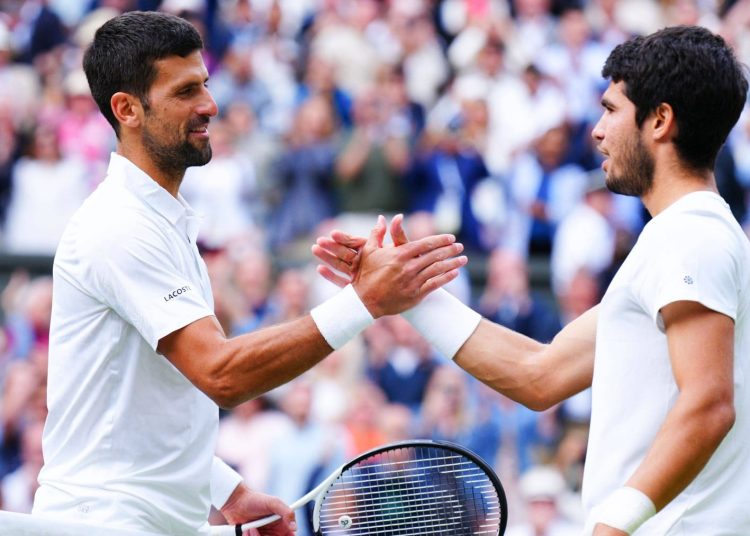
(176, 210)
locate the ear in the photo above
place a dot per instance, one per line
(664, 125)
(127, 109)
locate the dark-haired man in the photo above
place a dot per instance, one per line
(138, 362)
(668, 349)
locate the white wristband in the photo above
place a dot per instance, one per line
(341, 317)
(224, 480)
(444, 321)
(625, 509)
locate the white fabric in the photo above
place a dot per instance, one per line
(129, 440)
(221, 193)
(27, 525)
(43, 198)
(517, 117)
(444, 321)
(695, 251)
(224, 480)
(584, 240)
(626, 510)
(341, 317)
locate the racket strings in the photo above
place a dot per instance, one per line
(412, 491)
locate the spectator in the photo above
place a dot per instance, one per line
(373, 158)
(591, 218)
(248, 436)
(304, 172)
(47, 188)
(404, 372)
(18, 488)
(235, 81)
(543, 190)
(302, 457)
(224, 192)
(508, 299)
(319, 79)
(443, 177)
(521, 108)
(84, 132)
(542, 488)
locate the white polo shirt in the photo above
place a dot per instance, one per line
(694, 250)
(129, 440)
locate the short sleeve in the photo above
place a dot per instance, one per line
(697, 262)
(224, 480)
(136, 274)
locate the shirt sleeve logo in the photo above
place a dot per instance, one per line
(176, 292)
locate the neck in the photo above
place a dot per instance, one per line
(169, 179)
(672, 183)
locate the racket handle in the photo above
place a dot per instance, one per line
(257, 523)
(237, 530)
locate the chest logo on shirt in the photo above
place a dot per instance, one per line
(687, 279)
(176, 292)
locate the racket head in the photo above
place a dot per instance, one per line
(413, 488)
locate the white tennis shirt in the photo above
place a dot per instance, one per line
(694, 250)
(129, 441)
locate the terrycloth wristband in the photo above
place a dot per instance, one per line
(444, 321)
(625, 509)
(224, 480)
(341, 317)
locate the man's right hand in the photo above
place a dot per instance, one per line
(389, 279)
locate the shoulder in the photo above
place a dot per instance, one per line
(110, 223)
(702, 224)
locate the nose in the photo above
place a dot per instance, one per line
(597, 133)
(208, 105)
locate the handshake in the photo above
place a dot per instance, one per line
(380, 280)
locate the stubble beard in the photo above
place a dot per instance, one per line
(637, 175)
(174, 158)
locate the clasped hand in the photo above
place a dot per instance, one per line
(393, 278)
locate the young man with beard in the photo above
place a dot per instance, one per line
(667, 351)
(138, 362)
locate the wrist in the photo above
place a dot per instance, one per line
(444, 321)
(341, 317)
(625, 509)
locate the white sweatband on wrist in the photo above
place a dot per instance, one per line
(625, 509)
(341, 317)
(444, 321)
(224, 480)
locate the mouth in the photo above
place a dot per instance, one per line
(199, 130)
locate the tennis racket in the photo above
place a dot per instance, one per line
(414, 488)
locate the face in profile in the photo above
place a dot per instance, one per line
(629, 165)
(175, 127)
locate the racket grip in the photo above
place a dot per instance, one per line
(255, 524)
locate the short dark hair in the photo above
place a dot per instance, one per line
(696, 73)
(122, 54)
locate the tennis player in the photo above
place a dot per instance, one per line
(138, 362)
(668, 348)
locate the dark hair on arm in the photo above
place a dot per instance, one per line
(122, 54)
(696, 73)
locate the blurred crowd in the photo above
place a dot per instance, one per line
(469, 116)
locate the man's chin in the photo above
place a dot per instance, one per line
(200, 156)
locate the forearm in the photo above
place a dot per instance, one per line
(534, 374)
(686, 441)
(247, 366)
